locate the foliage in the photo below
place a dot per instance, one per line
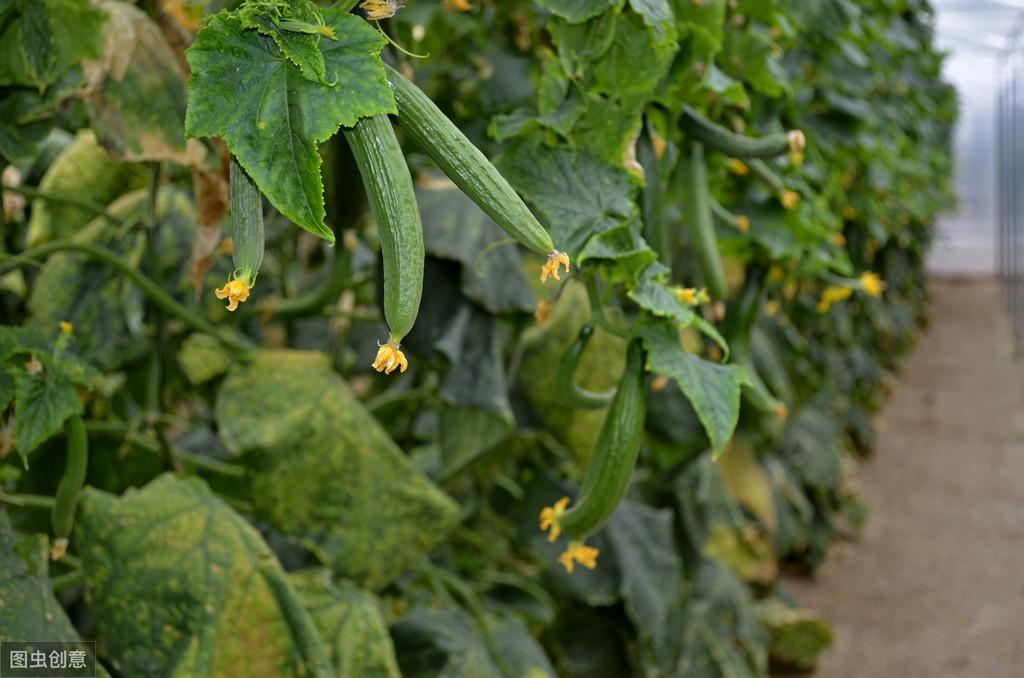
(260, 502)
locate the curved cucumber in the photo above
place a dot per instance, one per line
(465, 165)
(614, 457)
(246, 224)
(700, 223)
(66, 501)
(730, 143)
(393, 201)
(565, 378)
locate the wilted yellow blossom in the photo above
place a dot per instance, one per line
(381, 9)
(839, 240)
(235, 292)
(549, 518)
(66, 327)
(743, 223)
(33, 366)
(789, 199)
(659, 383)
(771, 307)
(849, 213)
(832, 295)
(543, 311)
(458, 5)
(780, 410)
(872, 284)
(390, 358)
(579, 553)
(797, 141)
(550, 267)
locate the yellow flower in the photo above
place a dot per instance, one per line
(235, 292)
(796, 157)
(849, 213)
(659, 383)
(390, 358)
(59, 548)
(776, 273)
(66, 327)
(543, 311)
(789, 199)
(738, 167)
(771, 307)
(743, 223)
(380, 9)
(832, 295)
(797, 141)
(839, 240)
(549, 518)
(550, 267)
(33, 366)
(578, 553)
(458, 5)
(692, 296)
(780, 410)
(872, 284)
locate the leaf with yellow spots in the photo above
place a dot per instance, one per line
(323, 471)
(181, 585)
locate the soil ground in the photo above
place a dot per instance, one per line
(935, 586)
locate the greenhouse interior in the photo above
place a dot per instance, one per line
(511, 338)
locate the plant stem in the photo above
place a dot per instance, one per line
(597, 311)
(157, 294)
(62, 582)
(116, 428)
(38, 501)
(154, 376)
(95, 208)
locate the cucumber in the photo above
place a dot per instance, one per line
(614, 456)
(565, 378)
(739, 326)
(652, 207)
(246, 224)
(465, 165)
(66, 500)
(700, 224)
(393, 202)
(736, 145)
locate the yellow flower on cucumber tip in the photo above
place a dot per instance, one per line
(692, 296)
(832, 295)
(66, 327)
(580, 553)
(236, 291)
(551, 266)
(390, 358)
(872, 285)
(789, 199)
(738, 167)
(549, 516)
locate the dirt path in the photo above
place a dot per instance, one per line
(935, 587)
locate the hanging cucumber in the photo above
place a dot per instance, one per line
(738, 327)
(66, 500)
(246, 236)
(393, 201)
(611, 466)
(565, 378)
(700, 224)
(738, 145)
(471, 171)
(653, 200)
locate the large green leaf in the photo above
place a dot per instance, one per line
(30, 610)
(46, 39)
(42, 403)
(577, 194)
(713, 389)
(576, 11)
(181, 585)
(244, 89)
(351, 623)
(361, 508)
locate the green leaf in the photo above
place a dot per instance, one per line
(301, 49)
(455, 228)
(362, 509)
(179, 585)
(351, 622)
(712, 389)
(30, 610)
(244, 89)
(655, 296)
(136, 94)
(577, 11)
(798, 635)
(46, 39)
(42, 403)
(576, 194)
(203, 358)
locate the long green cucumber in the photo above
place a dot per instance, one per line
(465, 165)
(738, 327)
(615, 453)
(247, 235)
(77, 461)
(393, 201)
(700, 224)
(565, 377)
(653, 201)
(737, 145)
